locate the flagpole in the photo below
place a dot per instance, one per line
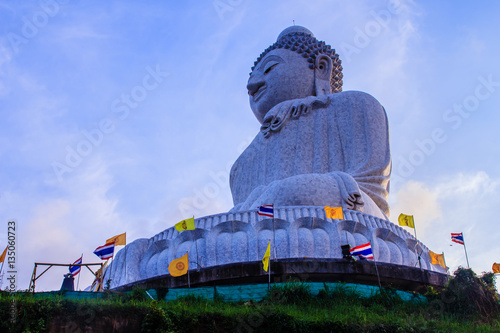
(345, 231)
(80, 273)
(269, 268)
(269, 274)
(274, 236)
(416, 239)
(376, 270)
(465, 249)
(1, 277)
(189, 279)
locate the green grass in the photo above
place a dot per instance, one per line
(287, 308)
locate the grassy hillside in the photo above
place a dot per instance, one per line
(467, 304)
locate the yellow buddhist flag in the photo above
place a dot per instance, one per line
(187, 224)
(120, 239)
(2, 257)
(180, 266)
(335, 213)
(437, 259)
(496, 268)
(267, 255)
(406, 220)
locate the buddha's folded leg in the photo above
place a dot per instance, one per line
(302, 190)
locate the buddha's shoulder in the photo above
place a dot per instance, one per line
(353, 97)
(352, 103)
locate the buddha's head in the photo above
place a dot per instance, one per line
(296, 66)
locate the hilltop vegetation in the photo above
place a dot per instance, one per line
(468, 303)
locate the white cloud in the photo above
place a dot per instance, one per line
(468, 186)
(61, 227)
(457, 203)
(474, 190)
(418, 199)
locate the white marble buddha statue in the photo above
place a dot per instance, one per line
(318, 146)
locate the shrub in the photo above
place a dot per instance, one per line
(138, 294)
(387, 297)
(156, 320)
(340, 294)
(471, 295)
(294, 292)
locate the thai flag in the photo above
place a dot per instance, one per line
(74, 270)
(266, 210)
(106, 251)
(457, 238)
(363, 251)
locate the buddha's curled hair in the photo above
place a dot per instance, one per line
(309, 47)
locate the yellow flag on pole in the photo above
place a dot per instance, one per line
(437, 259)
(187, 224)
(180, 266)
(406, 220)
(335, 213)
(267, 255)
(2, 257)
(496, 268)
(120, 239)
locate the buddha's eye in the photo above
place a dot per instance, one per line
(270, 67)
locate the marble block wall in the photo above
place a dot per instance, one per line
(298, 232)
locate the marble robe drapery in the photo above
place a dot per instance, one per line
(347, 137)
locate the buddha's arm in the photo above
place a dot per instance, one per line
(364, 134)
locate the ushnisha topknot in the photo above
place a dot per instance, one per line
(302, 41)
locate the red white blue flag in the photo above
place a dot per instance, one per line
(266, 210)
(106, 251)
(457, 238)
(363, 251)
(74, 270)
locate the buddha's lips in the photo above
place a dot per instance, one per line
(258, 93)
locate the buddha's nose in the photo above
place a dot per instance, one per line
(254, 83)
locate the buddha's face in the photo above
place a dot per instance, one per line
(280, 76)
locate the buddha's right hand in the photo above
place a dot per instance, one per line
(291, 109)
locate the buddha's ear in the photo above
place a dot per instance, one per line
(322, 74)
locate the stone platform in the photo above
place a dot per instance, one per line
(301, 269)
(302, 234)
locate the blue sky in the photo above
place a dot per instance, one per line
(159, 88)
